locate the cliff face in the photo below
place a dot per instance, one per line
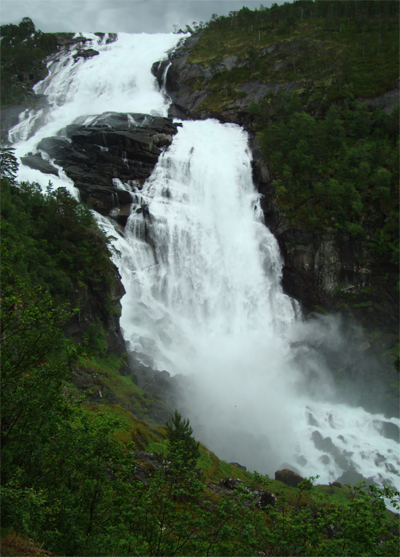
(99, 302)
(322, 268)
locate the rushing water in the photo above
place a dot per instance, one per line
(202, 278)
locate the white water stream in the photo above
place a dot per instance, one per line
(202, 278)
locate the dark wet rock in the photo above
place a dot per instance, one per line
(159, 384)
(83, 379)
(266, 499)
(146, 466)
(219, 490)
(392, 469)
(37, 163)
(238, 465)
(326, 445)
(353, 477)
(379, 459)
(288, 477)
(113, 145)
(70, 39)
(388, 430)
(301, 460)
(260, 498)
(336, 484)
(112, 37)
(311, 420)
(100, 303)
(324, 459)
(88, 53)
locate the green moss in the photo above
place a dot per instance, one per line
(120, 387)
(363, 304)
(129, 428)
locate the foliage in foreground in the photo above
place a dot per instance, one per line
(70, 484)
(51, 240)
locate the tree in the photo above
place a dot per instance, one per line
(181, 440)
(35, 360)
(26, 26)
(8, 164)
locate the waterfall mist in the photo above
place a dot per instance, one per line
(202, 277)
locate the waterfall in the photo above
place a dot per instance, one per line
(202, 277)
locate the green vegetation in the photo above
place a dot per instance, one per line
(69, 482)
(116, 389)
(23, 53)
(335, 171)
(321, 46)
(181, 440)
(52, 241)
(334, 159)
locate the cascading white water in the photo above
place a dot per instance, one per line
(204, 263)
(78, 89)
(202, 276)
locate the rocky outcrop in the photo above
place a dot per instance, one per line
(99, 302)
(87, 53)
(108, 159)
(326, 445)
(388, 101)
(288, 477)
(186, 84)
(255, 497)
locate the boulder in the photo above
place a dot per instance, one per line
(230, 483)
(88, 53)
(288, 477)
(327, 446)
(113, 145)
(388, 430)
(37, 163)
(267, 498)
(238, 465)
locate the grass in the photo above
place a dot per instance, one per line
(13, 544)
(117, 388)
(129, 428)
